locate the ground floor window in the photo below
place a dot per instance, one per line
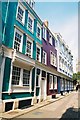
(38, 77)
(50, 81)
(55, 82)
(20, 75)
(16, 75)
(26, 77)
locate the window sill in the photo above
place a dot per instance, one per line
(39, 38)
(50, 88)
(37, 86)
(20, 21)
(19, 86)
(30, 30)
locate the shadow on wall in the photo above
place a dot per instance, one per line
(71, 114)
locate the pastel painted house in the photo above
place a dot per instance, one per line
(21, 46)
(49, 60)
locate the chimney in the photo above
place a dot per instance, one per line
(46, 23)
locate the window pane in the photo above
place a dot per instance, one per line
(16, 75)
(26, 77)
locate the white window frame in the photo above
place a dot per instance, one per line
(55, 82)
(50, 38)
(21, 44)
(29, 79)
(21, 78)
(40, 53)
(45, 58)
(30, 40)
(50, 88)
(53, 57)
(38, 26)
(23, 20)
(16, 75)
(32, 18)
(44, 33)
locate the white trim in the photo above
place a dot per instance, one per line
(55, 81)
(30, 40)
(45, 58)
(23, 8)
(38, 25)
(19, 99)
(51, 83)
(37, 46)
(21, 44)
(30, 15)
(45, 34)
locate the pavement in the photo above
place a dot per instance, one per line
(18, 112)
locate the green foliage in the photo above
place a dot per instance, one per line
(76, 76)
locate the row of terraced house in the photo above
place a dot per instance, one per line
(36, 63)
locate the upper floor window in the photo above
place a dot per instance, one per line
(44, 60)
(38, 54)
(18, 40)
(29, 48)
(59, 61)
(21, 13)
(38, 31)
(50, 39)
(53, 59)
(50, 81)
(30, 23)
(44, 31)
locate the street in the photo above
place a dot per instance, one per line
(63, 108)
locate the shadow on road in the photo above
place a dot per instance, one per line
(71, 114)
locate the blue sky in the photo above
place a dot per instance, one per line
(63, 18)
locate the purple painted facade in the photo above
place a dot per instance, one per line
(47, 47)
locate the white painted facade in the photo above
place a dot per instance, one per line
(64, 56)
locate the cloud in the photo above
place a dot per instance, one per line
(69, 32)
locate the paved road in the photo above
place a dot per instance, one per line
(64, 108)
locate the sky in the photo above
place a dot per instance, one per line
(63, 19)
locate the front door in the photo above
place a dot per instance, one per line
(43, 89)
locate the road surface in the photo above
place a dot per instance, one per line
(63, 108)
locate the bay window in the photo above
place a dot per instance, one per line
(16, 75)
(20, 76)
(26, 77)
